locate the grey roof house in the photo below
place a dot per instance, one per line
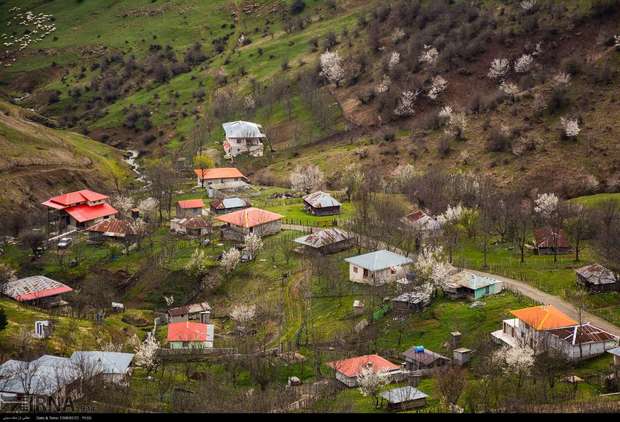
(378, 267)
(419, 358)
(112, 367)
(403, 398)
(223, 206)
(597, 278)
(326, 241)
(321, 203)
(243, 137)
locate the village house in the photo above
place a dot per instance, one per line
(404, 398)
(194, 226)
(190, 208)
(325, 241)
(123, 230)
(190, 335)
(109, 367)
(546, 240)
(465, 284)
(240, 223)
(194, 312)
(78, 209)
(243, 138)
(544, 327)
(378, 267)
(321, 203)
(417, 358)
(226, 205)
(597, 278)
(48, 377)
(36, 290)
(408, 302)
(221, 178)
(347, 370)
(422, 224)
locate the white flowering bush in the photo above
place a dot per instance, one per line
(528, 5)
(306, 178)
(561, 78)
(516, 359)
(406, 103)
(509, 88)
(499, 68)
(146, 352)
(230, 260)
(432, 265)
(197, 264)
(617, 41)
(570, 127)
(429, 55)
(252, 244)
(438, 85)
(331, 67)
(524, 63)
(397, 35)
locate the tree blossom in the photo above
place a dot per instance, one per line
(406, 103)
(524, 63)
(331, 67)
(169, 300)
(528, 5)
(499, 68)
(370, 382)
(252, 243)
(570, 127)
(148, 205)
(438, 85)
(243, 313)
(248, 102)
(617, 41)
(561, 78)
(146, 352)
(197, 264)
(509, 88)
(230, 260)
(122, 203)
(451, 214)
(429, 55)
(432, 265)
(546, 204)
(403, 175)
(456, 122)
(306, 178)
(394, 60)
(516, 359)
(397, 35)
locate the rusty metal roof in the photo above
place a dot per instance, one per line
(597, 274)
(324, 238)
(585, 333)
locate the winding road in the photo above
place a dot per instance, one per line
(514, 285)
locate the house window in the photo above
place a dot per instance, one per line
(355, 270)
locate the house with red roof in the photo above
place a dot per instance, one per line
(78, 209)
(190, 208)
(347, 370)
(190, 335)
(240, 223)
(36, 290)
(548, 240)
(220, 178)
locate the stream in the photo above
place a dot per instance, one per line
(131, 158)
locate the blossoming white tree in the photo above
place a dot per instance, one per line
(369, 383)
(570, 127)
(438, 85)
(524, 63)
(546, 204)
(561, 78)
(499, 68)
(146, 353)
(394, 60)
(122, 203)
(456, 122)
(429, 55)
(197, 264)
(230, 260)
(306, 178)
(509, 88)
(242, 314)
(432, 266)
(331, 67)
(528, 5)
(252, 244)
(406, 103)
(148, 206)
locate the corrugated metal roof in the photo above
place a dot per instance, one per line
(243, 129)
(323, 238)
(352, 367)
(249, 217)
(471, 280)
(191, 203)
(219, 173)
(403, 394)
(105, 362)
(34, 287)
(379, 260)
(544, 317)
(614, 351)
(546, 238)
(426, 357)
(597, 274)
(46, 374)
(585, 333)
(189, 309)
(321, 199)
(83, 213)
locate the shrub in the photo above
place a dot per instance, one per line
(297, 7)
(499, 140)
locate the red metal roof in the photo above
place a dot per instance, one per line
(83, 213)
(544, 317)
(545, 238)
(187, 331)
(353, 366)
(71, 198)
(585, 333)
(218, 173)
(191, 203)
(114, 227)
(34, 287)
(250, 217)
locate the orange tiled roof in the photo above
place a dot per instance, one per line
(544, 317)
(218, 173)
(353, 366)
(249, 217)
(191, 203)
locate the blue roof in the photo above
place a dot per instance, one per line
(615, 351)
(379, 260)
(403, 394)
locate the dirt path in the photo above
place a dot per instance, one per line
(548, 299)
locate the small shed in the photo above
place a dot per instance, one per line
(403, 398)
(326, 241)
(410, 302)
(419, 358)
(461, 356)
(321, 203)
(597, 278)
(616, 354)
(465, 284)
(42, 329)
(36, 290)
